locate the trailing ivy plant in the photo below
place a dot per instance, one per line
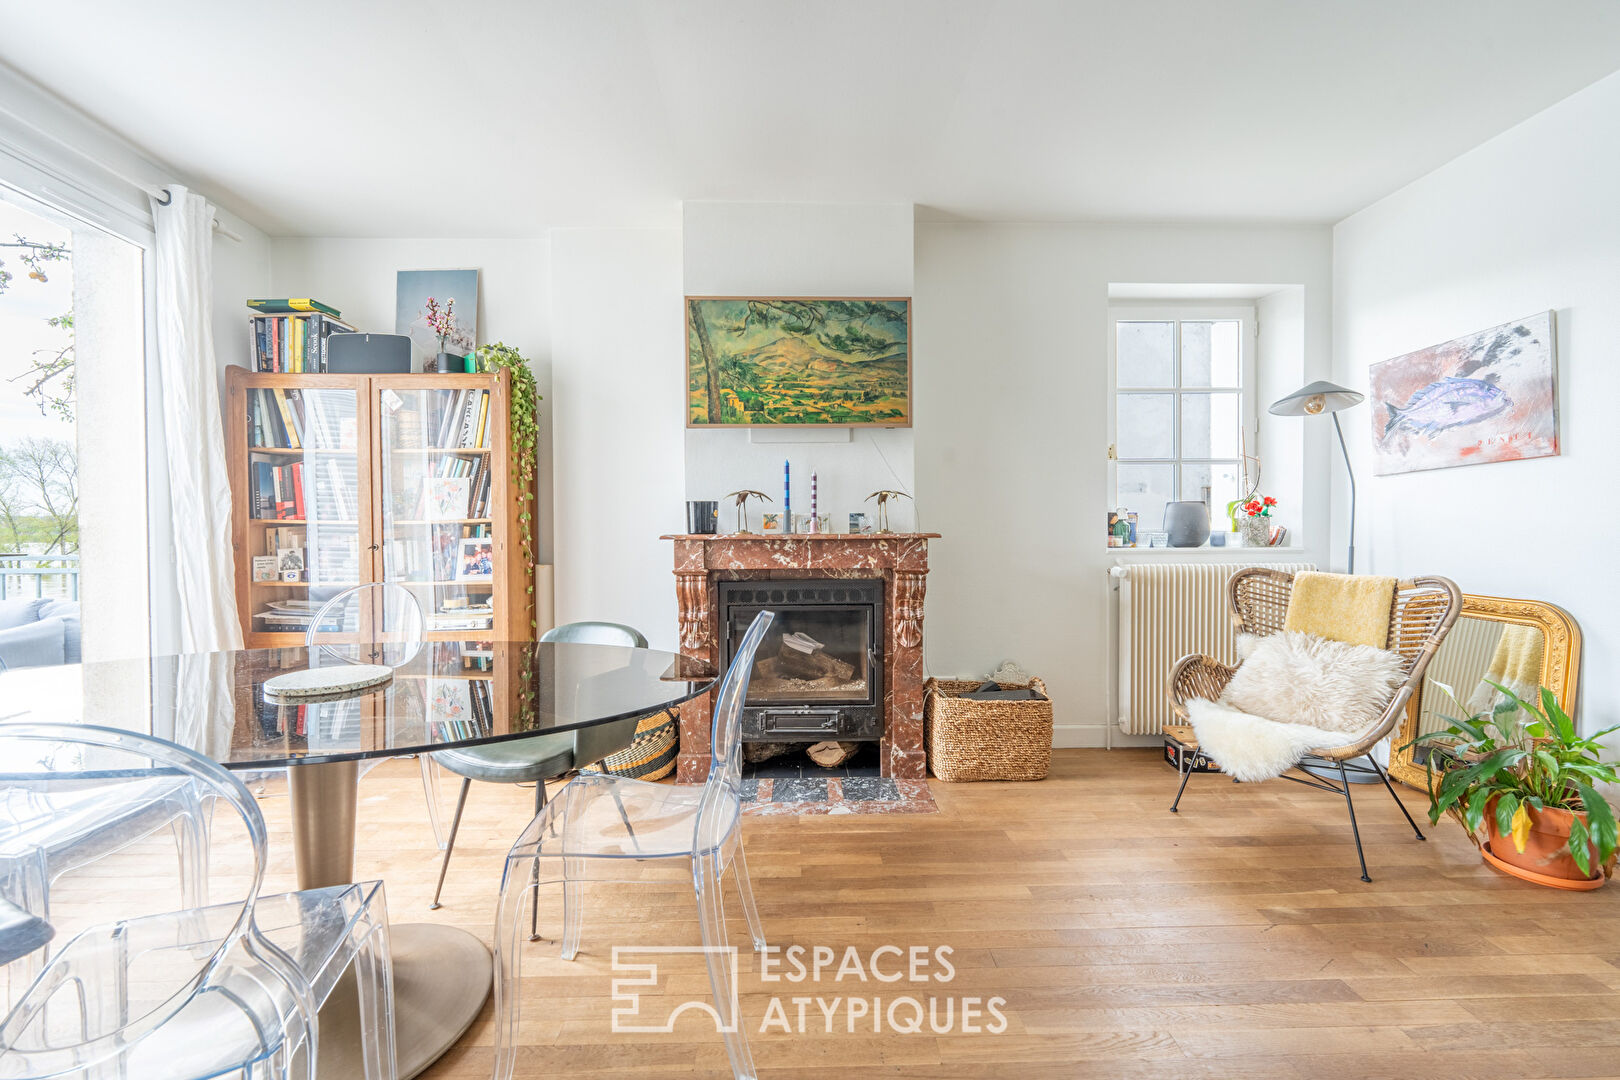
(525, 439)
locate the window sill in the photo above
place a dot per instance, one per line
(1207, 550)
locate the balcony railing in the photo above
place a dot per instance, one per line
(39, 576)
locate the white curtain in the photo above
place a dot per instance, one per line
(199, 491)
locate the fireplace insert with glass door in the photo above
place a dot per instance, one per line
(819, 672)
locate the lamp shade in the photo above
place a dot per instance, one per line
(1317, 398)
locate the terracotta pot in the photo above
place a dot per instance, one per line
(1546, 859)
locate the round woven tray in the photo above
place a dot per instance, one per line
(986, 740)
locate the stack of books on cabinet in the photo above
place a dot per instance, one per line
(341, 480)
(291, 336)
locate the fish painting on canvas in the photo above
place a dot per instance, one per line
(1490, 396)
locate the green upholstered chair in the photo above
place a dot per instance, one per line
(536, 760)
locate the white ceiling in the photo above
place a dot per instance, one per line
(492, 118)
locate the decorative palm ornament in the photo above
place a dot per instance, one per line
(741, 498)
(883, 498)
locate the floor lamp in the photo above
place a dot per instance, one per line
(1313, 400)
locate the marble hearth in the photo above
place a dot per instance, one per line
(900, 559)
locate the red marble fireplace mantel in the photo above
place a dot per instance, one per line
(900, 559)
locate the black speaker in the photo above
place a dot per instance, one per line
(368, 354)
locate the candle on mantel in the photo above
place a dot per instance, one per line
(815, 522)
(787, 496)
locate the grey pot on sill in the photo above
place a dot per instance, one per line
(1187, 523)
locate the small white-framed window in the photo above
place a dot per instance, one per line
(1182, 416)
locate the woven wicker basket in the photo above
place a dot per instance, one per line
(987, 740)
(652, 755)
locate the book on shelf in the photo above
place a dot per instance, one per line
(292, 419)
(469, 656)
(297, 304)
(481, 618)
(294, 343)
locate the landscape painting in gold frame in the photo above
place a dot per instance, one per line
(758, 361)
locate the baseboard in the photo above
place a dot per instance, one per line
(1067, 736)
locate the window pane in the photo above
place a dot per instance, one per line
(1210, 353)
(1145, 489)
(1217, 484)
(1146, 427)
(1146, 353)
(1210, 424)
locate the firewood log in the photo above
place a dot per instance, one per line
(755, 752)
(812, 665)
(830, 754)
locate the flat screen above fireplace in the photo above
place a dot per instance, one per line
(819, 672)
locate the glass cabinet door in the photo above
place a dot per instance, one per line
(435, 505)
(306, 502)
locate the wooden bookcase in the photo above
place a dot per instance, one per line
(368, 499)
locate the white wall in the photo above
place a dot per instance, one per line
(358, 278)
(800, 249)
(1526, 222)
(617, 374)
(1279, 371)
(1010, 323)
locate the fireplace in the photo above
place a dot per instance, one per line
(884, 575)
(819, 671)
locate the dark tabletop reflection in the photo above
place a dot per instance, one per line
(451, 694)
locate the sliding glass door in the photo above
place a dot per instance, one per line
(74, 575)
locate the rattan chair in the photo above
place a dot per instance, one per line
(1423, 612)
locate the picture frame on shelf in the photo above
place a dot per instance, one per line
(770, 523)
(859, 523)
(266, 568)
(445, 498)
(290, 561)
(475, 559)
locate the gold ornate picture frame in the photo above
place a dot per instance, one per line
(1560, 668)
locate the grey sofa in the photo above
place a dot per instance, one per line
(39, 632)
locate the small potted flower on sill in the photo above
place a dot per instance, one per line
(1255, 521)
(1526, 778)
(442, 321)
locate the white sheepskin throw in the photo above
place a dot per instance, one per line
(1292, 694)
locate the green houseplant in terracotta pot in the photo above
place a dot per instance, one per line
(1522, 775)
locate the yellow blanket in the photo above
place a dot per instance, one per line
(1353, 608)
(1516, 664)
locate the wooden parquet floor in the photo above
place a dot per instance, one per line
(1234, 939)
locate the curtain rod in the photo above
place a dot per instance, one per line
(160, 194)
(162, 197)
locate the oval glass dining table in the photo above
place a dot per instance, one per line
(452, 694)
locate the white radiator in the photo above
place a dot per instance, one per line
(1167, 610)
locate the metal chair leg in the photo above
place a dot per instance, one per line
(1356, 832)
(624, 817)
(534, 880)
(455, 823)
(1186, 774)
(1385, 778)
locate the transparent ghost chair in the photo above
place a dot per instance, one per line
(523, 761)
(47, 832)
(380, 623)
(598, 827)
(231, 989)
